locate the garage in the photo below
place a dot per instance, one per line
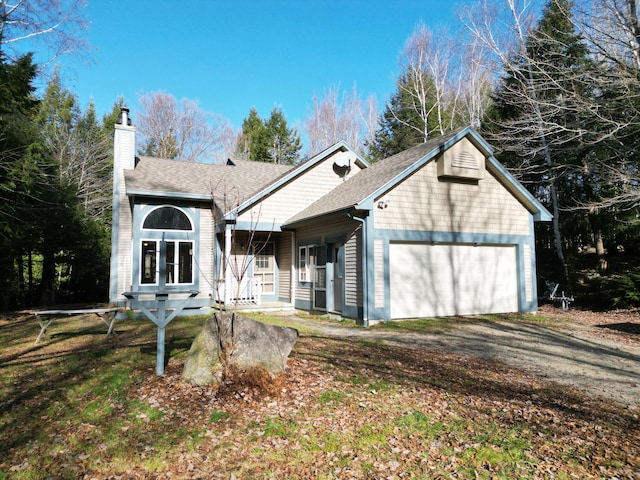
(433, 280)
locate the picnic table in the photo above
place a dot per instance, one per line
(47, 317)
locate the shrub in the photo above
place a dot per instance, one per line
(624, 290)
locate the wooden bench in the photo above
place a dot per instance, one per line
(47, 317)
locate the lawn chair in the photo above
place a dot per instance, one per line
(552, 295)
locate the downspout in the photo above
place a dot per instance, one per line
(365, 270)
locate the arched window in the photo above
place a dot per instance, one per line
(167, 261)
(167, 218)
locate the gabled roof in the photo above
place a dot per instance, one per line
(383, 175)
(233, 187)
(229, 184)
(299, 170)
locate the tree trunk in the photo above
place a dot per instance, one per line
(47, 285)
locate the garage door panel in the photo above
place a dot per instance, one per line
(451, 279)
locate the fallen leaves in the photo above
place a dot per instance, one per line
(344, 409)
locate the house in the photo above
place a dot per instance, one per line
(440, 229)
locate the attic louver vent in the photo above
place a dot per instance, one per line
(461, 162)
(465, 160)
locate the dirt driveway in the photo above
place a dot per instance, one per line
(590, 351)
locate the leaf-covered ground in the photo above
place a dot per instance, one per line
(81, 406)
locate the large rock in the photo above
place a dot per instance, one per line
(233, 341)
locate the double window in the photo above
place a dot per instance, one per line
(166, 252)
(179, 262)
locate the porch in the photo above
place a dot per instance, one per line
(285, 308)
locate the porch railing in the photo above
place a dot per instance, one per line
(247, 290)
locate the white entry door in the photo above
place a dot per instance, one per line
(452, 279)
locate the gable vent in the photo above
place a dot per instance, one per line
(465, 160)
(461, 162)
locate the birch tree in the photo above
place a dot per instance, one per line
(612, 30)
(538, 116)
(51, 28)
(445, 83)
(78, 145)
(181, 129)
(341, 115)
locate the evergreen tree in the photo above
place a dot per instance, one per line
(539, 108)
(284, 143)
(252, 144)
(401, 126)
(269, 140)
(20, 173)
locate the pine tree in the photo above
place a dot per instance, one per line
(252, 139)
(20, 174)
(284, 142)
(539, 115)
(401, 126)
(269, 140)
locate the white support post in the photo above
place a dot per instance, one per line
(227, 269)
(294, 269)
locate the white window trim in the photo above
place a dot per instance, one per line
(176, 243)
(304, 274)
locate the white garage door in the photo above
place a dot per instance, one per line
(452, 279)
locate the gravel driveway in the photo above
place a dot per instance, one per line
(577, 355)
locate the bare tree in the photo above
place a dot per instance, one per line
(447, 80)
(577, 100)
(503, 28)
(428, 64)
(51, 28)
(341, 115)
(474, 82)
(182, 130)
(612, 31)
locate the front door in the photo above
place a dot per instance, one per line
(337, 260)
(320, 278)
(328, 277)
(265, 267)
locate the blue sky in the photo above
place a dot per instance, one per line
(234, 55)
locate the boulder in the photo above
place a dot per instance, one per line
(228, 340)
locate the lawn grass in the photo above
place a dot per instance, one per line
(82, 405)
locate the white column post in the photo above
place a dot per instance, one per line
(227, 265)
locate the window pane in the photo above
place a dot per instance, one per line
(321, 255)
(302, 264)
(264, 256)
(320, 299)
(148, 270)
(186, 262)
(167, 218)
(171, 256)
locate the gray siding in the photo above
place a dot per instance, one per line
(204, 264)
(319, 233)
(284, 265)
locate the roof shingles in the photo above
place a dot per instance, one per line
(228, 185)
(361, 186)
